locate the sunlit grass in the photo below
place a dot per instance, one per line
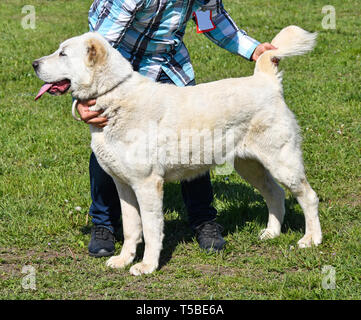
(44, 170)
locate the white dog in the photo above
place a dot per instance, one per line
(160, 132)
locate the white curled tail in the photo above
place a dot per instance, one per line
(290, 41)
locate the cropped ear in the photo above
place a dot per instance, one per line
(96, 53)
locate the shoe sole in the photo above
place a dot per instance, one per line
(101, 253)
(213, 249)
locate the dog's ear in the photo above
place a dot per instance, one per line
(96, 52)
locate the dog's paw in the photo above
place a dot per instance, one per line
(117, 262)
(268, 234)
(308, 240)
(142, 268)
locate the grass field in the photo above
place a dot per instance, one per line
(44, 182)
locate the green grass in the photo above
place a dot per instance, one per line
(44, 171)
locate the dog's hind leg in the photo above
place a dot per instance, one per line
(308, 200)
(132, 227)
(149, 194)
(286, 166)
(255, 173)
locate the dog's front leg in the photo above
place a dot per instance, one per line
(132, 226)
(150, 198)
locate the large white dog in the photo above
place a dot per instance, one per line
(160, 132)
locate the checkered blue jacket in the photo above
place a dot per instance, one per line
(149, 33)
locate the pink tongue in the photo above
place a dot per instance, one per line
(43, 89)
(54, 88)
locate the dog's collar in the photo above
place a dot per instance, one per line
(73, 108)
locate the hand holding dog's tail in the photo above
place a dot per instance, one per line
(290, 41)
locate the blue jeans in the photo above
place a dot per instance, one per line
(105, 208)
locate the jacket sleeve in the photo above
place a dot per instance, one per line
(226, 34)
(112, 18)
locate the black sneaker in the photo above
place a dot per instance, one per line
(209, 236)
(102, 243)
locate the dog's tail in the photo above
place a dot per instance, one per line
(290, 41)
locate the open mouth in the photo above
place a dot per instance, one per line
(56, 88)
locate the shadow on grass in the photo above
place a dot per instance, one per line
(239, 204)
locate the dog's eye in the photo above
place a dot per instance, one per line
(62, 54)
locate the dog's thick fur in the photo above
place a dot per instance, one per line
(267, 142)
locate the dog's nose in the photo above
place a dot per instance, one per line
(35, 64)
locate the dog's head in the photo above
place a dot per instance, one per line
(86, 65)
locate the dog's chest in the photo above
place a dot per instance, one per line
(117, 157)
(106, 154)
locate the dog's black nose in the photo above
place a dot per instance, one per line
(35, 64)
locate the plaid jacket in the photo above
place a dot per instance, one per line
(149, 33)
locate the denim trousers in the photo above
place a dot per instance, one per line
(105, 208)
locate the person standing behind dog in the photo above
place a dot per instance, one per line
(149, 34)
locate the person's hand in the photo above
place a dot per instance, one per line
(91, 117)
(262, 48)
